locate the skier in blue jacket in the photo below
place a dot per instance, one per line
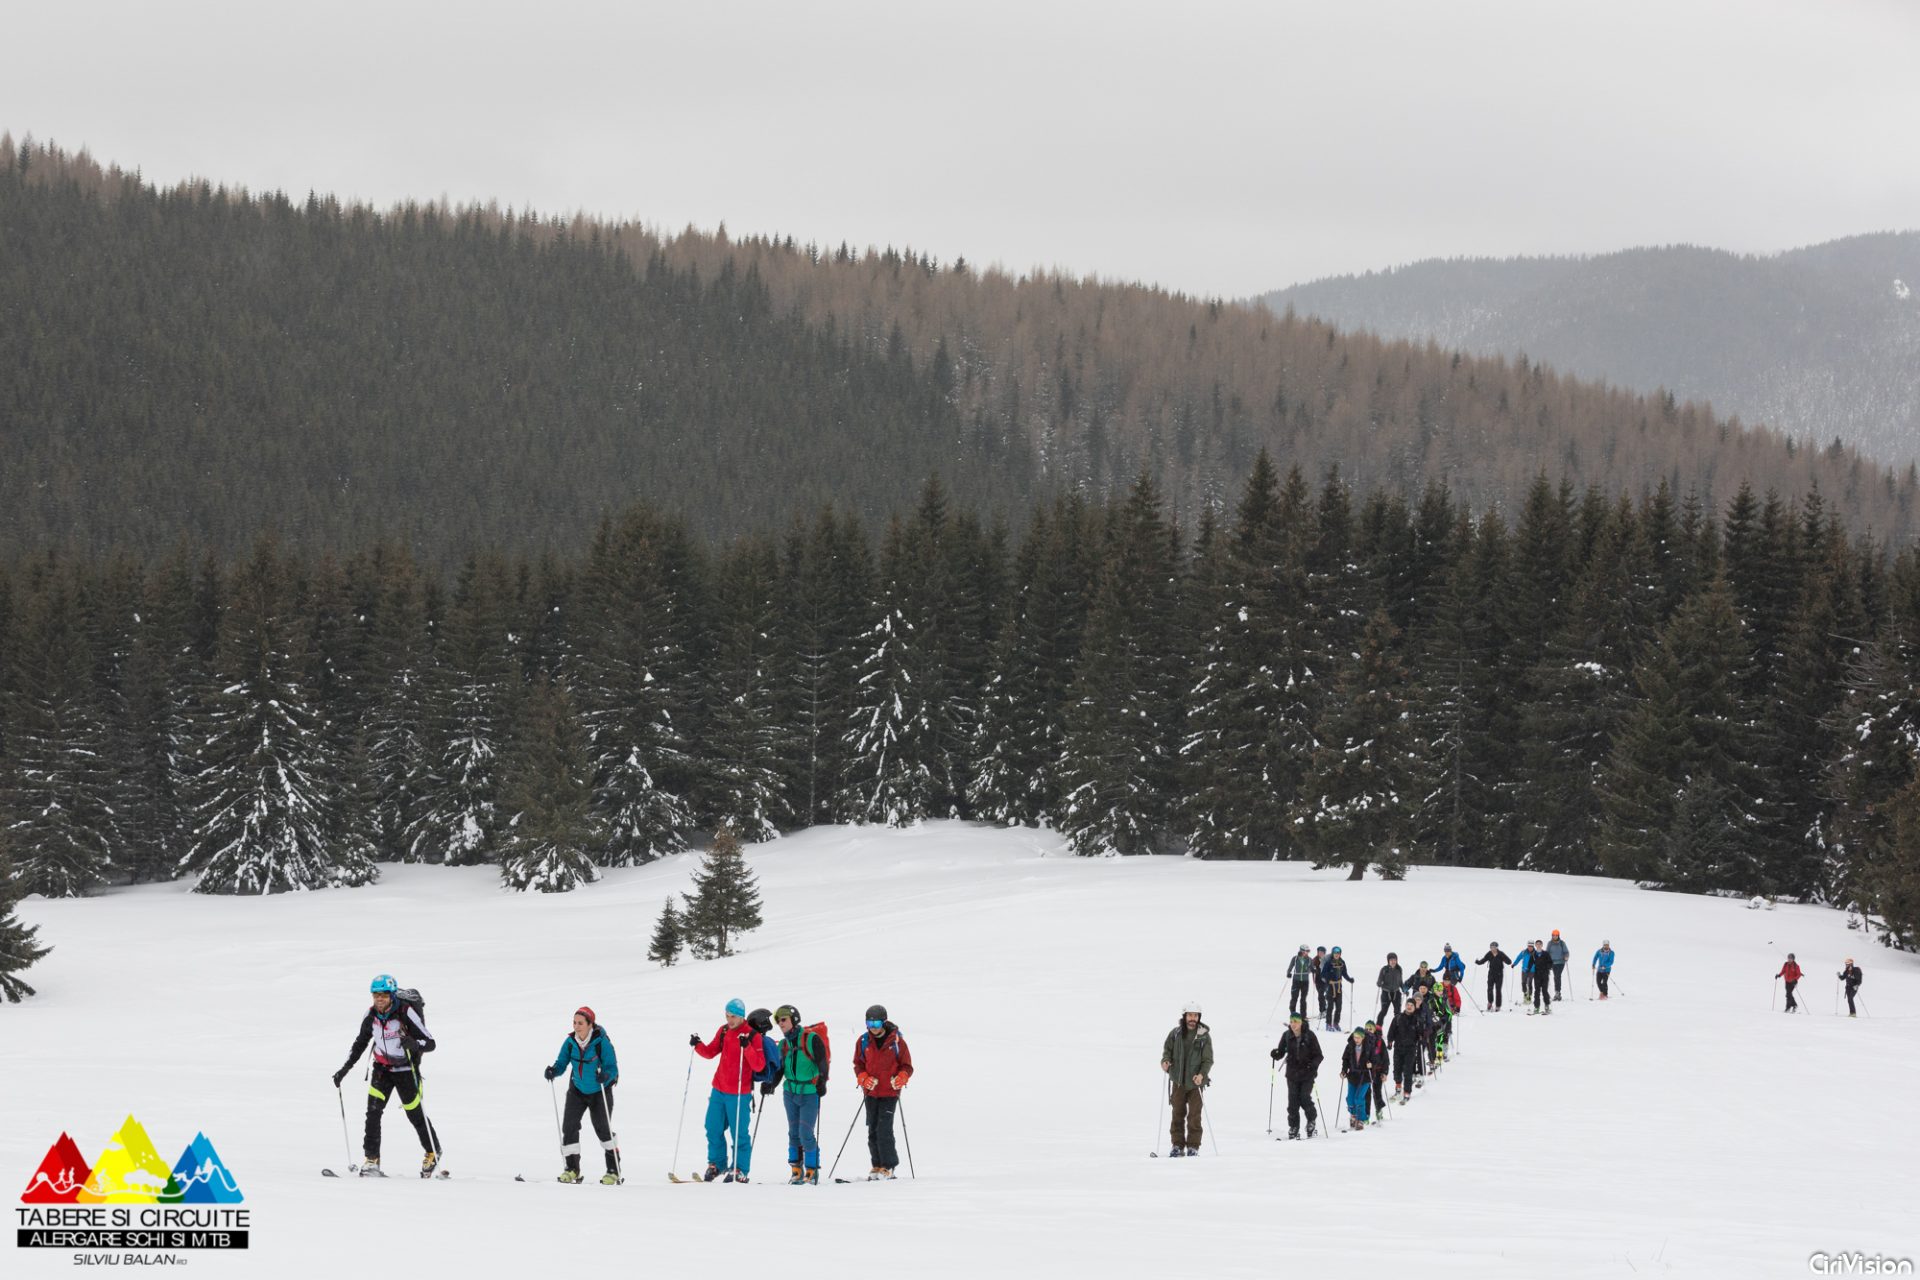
(586, 1058)
(1603, 966)
(1451, 965)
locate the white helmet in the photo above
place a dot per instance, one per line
(1191, 1006)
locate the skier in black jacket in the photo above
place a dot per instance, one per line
(1497, 962)
(1337, 975)
(1299, 1052)
(1404, 1038)
(1389, 985)
(1320, 980)
(1852, 976)
(1381, 1064)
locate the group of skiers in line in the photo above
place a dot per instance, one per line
(1409, 1047)
(750, 1058)
(1849, 978)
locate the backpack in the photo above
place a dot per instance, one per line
(407, 995)
(826, 1049)
(771, 1071)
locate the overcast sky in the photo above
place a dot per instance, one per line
(1214, 148)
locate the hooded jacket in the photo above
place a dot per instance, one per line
(1187, 1055)
(591, 1065)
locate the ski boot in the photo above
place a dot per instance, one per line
(429, 1163)
(1176, 1153)
(1310, 1129)
(1193, 1151)
(881, 1175)
(1358, 1124)
(568, 1176)
(1293, 1135)
(813, 1177)
(795, 1175)
(713, 1171)
(611, 1179)
(370, 1168)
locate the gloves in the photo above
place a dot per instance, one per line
(766, 1088)
(600, 1074)
(338, 1076)
(695, 1041)
(868, 1083)
(900, 1081)
(744, 1037)
(550, 1072)
(1274, 1054)
(820, 1087)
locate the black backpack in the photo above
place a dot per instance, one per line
(409, 996)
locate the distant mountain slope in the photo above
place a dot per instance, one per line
(202, 363)
(1819, 342)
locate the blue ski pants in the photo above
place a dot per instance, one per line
(803, 1124)
(730, 1111)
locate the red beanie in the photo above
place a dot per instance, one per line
(591, 1020)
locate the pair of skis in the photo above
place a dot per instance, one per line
(354, 1170)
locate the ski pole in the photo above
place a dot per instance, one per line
(843, 1144)
(619, 1164)
(1207, 1120)
(681, 1132)
(1776, 993)
(559, 1135)
(345, 1139)
(901, 1111)
(1271, 1075)
(737, 1120)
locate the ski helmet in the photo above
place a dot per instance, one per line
(384, 983)
(586, 1011)
(1191, 1006)
(1336, 951)
(760, 1020)
(788, 1012)
(876, 1013)
(736, 1008)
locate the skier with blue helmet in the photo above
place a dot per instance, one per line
(396, 1026)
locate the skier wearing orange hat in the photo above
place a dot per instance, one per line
(1557, 955)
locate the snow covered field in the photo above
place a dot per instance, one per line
(1679, 1129)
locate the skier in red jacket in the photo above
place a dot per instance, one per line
(1791, 972)
(741, 1052)
(883, 1066)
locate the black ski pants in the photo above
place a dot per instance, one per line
(1496, 984)
(880, 1132)
(1336, 997)
(1320, 991)
(600, 1107)
(387, 1081)
(1556, 978)
(1300, 1098)
(1600, 976)
(1542, 998)
(1791, 1003)
(1388, 1000)
(1379, 1093)
(1404, 1061)
(1851, 993)
(1297, 999)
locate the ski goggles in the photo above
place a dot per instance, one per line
(876, 1024)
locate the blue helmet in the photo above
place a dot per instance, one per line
(384, 983)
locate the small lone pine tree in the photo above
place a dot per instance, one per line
(665, 947)
(725, 901)
(18, 949)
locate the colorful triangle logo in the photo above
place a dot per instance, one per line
(203, 1177)
(130, 1171)
(60, 1176)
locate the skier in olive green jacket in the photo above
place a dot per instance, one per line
(1187, 1058)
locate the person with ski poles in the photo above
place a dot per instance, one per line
(1852, 976)
(1187, 1058)
(1320, 980)
(1524, 963)
(1421, 981)
(883, 1066)
(1337, 976)
(1300, 1055)
(1404, 1039)
(1445, 1002)
(1451, 965)
(587, 1059)
(804, 1062)
(1539, 968)
(397, 1029)
(1557, 955)
(741, 1053)
(1299, 973)
(1791, 972)
(1603, 966)
(1378, 1062)
(1356, 1068)
(1496, 961)
(1388, 984)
